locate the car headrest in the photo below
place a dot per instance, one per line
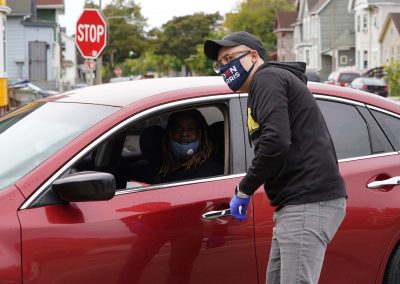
(217, 136)
(151, 143)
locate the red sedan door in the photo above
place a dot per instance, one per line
(148, 234)
(152, 236)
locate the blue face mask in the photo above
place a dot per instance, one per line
(181, 151)
(234, 73)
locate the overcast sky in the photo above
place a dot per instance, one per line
(157, 12)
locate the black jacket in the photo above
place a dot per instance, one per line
(294, 153)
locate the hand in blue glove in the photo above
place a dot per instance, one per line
(238, 207)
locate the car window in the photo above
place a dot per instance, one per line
(347, 77)
(31, 134)
(141, 156)
(390, 125)
(379, 141)
(348, 129)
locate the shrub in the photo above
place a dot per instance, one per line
(393, 78)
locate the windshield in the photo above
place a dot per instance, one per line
(31, 134)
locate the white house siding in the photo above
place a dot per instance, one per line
(15, 49)
(68, 76)
(334, 21)
(368, 48)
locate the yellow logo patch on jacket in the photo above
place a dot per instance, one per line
(251, 124)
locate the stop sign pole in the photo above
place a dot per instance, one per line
(91, 36)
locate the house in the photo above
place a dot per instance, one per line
(324, 35)
(390, 39)
(68, 61)
(369, 18)
(4, 10)
(33, 44)
(284, 34)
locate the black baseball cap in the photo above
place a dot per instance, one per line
(211, 47)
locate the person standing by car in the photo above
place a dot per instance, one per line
(294, 157)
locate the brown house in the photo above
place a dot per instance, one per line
(284, 34)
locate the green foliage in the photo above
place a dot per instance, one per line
(150, 62)
(198, 62)
(125, 32)
(180, 36)
(393, 78)
(258, 17)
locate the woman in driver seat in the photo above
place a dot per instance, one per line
(187, 150)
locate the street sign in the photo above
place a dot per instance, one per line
(89, 65)
(91, 33)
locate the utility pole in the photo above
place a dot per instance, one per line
(333, 36)
(99, 62)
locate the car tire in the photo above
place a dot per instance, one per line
(392, 273)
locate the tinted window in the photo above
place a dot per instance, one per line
(347, 77)
(348, 129)
(379, 141)
(391, 127)
(31, 134)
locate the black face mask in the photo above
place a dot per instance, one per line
(234, 74)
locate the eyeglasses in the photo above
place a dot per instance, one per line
(228, 57)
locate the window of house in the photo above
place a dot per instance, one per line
(343, 59)
(365, 60)
(392, 57)
(348, 129)
(365, 23)
(307, 51)
(358, 23)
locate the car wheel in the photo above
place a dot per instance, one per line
(392, 273)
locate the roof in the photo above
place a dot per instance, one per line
(396, 20)
(19, 7)
(319, 6)
(284, 19)
(50, 2)
(129, 92)
(395, 17)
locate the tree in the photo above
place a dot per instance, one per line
(393, 78)
(258, 17)
(180, 36)
(199, 62)
(125, 32)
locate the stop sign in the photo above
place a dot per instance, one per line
(91, 33)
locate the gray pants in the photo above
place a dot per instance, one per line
(299, 240)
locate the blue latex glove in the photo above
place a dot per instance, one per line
(238, 207)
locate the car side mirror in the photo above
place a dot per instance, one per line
(85, 186)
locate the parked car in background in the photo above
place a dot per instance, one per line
(342, 78)
(24, 92)
(28, 87)
(76, 209)
(372, 85)
(313, 76)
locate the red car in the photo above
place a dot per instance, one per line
(342, 78)
(77, 207)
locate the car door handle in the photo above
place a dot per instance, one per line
(379, 183)
(211, 215)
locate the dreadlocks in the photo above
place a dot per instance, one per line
(205, 148)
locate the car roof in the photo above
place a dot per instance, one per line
(123, 94)
(126, 93)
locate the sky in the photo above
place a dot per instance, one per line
(157, 12)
